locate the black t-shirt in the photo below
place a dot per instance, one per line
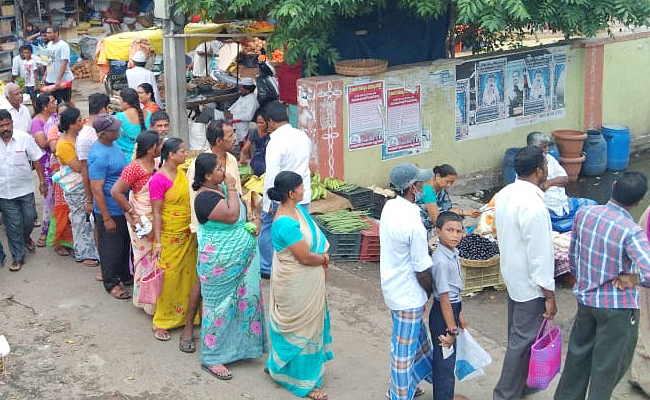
(204, 203)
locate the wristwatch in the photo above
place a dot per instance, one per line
(453, 331)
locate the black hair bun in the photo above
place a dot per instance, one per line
(273, 194)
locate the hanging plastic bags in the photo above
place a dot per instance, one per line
(471, 358)
(545, 356)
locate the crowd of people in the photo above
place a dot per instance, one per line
(121, 195)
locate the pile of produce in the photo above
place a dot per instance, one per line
(82, 70)
(255, 184)
(476, 247)
(339, 185)
(254, 46)
(245, 172)
(318, 190)
(344, 221)
(383, 192)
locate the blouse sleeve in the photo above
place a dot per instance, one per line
(158, 186)
(53, 133)
(285, 232)
(429, 195)
(130, 173)
(65, 151)
(204, 203)
(37, 126)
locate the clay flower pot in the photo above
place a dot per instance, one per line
(572, 166)
(569, 142)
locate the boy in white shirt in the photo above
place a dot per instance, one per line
(25, 66)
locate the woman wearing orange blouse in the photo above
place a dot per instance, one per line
(69, 177)
(146, 97)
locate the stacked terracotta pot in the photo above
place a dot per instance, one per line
(571, 156)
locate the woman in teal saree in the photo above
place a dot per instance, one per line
(233, 325)
(299, 322)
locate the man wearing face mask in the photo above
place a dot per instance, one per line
(406, 281)
(18, 150)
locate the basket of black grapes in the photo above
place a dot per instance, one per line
(477, 251)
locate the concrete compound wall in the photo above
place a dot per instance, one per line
(606, 82)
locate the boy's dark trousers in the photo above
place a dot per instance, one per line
(444, 378)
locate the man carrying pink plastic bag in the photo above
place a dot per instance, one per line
(608, 253)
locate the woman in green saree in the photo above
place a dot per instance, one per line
(299, 323)
(233, 325)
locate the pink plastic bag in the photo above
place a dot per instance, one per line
(151, 286)
(545, 356)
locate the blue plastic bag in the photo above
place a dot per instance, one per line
(471, 358)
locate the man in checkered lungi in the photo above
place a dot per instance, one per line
(404, 266)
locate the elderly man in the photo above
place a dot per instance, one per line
(527, 266)
(18, 150)
(608, 252)
(242, 111)
(406, 282)
(562, 207)
(22, 121)
(139, 75)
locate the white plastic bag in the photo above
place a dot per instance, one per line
(470, 357)
(198, 140)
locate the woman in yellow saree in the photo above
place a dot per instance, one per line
(174, 244)
(299, 325)
(135, 177)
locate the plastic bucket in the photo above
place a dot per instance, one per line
(595, 149)
(618, 146)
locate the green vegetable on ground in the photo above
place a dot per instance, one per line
(344, 221)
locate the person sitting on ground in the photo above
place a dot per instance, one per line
(146, 96)
(138, 75)
(561, 207)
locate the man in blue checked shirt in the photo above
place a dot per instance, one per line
(610, 255)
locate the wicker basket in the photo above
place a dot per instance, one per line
(361, 67)
(7, 10)
(479, 274)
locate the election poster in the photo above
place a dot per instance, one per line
(403, 121)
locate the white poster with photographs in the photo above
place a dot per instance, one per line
(497, 95)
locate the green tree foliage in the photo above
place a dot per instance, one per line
(304, 26)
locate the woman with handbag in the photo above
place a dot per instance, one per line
(233, 325)
(137, 210)
(174, 243)
(71, 182)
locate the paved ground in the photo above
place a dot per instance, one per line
(71, 340)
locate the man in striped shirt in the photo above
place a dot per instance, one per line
(609, 255)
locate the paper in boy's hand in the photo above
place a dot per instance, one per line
(447, 352)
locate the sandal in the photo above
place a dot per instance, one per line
(90, 263)
(30, 245)
(186, 345)
(119, 293)
(16, 266)
(224, 375)
(317, 394)
(41, 241)
(161, 334)
(62, 251)
(418, 392)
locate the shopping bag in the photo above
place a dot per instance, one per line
(150, 286)
(545, 356)
(471, 358)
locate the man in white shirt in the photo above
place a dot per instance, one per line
(203, 55)
(139, 75)
(242, 111)
(289, 149)
(404, 266)
(527, 266)
(562, 207)
(22, 120)
(58, 65)
(18, 151)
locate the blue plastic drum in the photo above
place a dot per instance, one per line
(618, 146)
(595, 149)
